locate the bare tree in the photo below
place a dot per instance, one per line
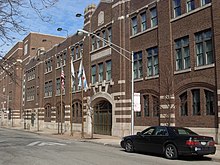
(166, 86)
(12, 14)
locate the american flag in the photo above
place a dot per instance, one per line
(62, 78)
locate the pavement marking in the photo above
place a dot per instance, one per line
(39, 143)
(34, 143)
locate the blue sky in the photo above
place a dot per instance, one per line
(62, 15)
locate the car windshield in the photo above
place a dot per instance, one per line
(183, 131)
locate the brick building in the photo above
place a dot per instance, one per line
(175, 50)
(13, 75)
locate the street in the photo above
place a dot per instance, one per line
(23, 148)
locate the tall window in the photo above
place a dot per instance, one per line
(143, 21)
(73, 53)
(152, 62)
(209, 102)
(156, 106)
(138, 73)
(153, 12)
(58, 61)
(134, 25)
(190, 5)
(196, 102)
(58, 86)
(80, 50)
(105, 38)
(100, 72)
(146, 105)
(182, 53)
(110, 34)
(93, 74)
(64, 58)
(177, 8)
(183, 104)
(47, 113)
(98, 41)
(77, 52)
(108, 70)
(93, 43)
(204, 2)
(204, 52)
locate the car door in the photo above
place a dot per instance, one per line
(158, 138)
(142, 141)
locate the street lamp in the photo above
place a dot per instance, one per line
(61, 29)
(131, 59)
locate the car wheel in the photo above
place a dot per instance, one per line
(171, 151)
(129, 147)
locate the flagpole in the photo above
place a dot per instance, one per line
(71, 111)
(82, 102)
(61, 97)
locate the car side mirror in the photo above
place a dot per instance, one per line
(139, 133)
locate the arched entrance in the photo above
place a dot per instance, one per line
(103, 118)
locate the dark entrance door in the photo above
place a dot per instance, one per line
(103, 118)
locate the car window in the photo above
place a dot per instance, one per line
(184, 131)
(148, 131)
(161, 132)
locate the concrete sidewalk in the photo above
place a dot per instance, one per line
(98, 139)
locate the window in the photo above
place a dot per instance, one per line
(156, 106)
(100, 72)
(25, 49)
(110, 34)
(64, 58)
(58, 61)
(190, 5)
(143, 21)
(204, 2)
(80, 51)
(105, 38)
(183, 104)
(47, 113)
(138, 73)
(108, 70)
(73, 53)
(177, 8)
(204, 48)
(58, 86)
(48, 65)
(93, 74)
(196, 101)
(146, 105)
(153, 12)
(182, 53)
(93, 43)
(152, 62)
(98, 41)
(134, 25)
(77, 53)
(209, 102)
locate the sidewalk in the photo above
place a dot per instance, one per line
(98, 139)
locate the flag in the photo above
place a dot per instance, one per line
(62, 78)
(82, 77)
(72, 73)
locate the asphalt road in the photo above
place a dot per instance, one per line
(23, 148)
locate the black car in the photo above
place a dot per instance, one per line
(170, 141)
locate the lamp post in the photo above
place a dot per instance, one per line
(61, 29)
(7, 106)
(131, 59)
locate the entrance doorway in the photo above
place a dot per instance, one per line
(103, 118)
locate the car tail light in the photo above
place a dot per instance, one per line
(192, 143)
(211, 143)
